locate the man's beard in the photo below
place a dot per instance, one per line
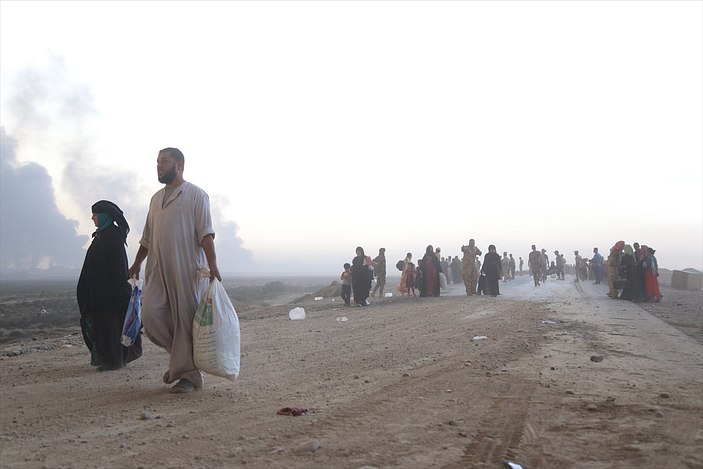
(169, 176)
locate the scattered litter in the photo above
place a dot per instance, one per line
(296, 313)
(43, 312)
(480, 337)
(342, 319)
(307, 447)
(388, 295)
(546, 321)
(597, 358)
(512, 465)
(295, 411)
(318, 298)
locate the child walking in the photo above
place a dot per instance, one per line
(412, 276)
(346, 284)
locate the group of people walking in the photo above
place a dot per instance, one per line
(425, 277)
(358, 276)
(541, 268)
(430, 272)
(428, 276)
(633, 273)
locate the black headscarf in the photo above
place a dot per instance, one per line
(105, 206)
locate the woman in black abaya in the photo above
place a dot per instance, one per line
(493, 271)
(103, 292)
(633, 291)
(361, 277)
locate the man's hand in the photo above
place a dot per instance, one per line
(134, 271)
(137, 266)
(208, 245)
(214, 272)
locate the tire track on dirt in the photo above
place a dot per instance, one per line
(439, 406)
(503, 426)
(420, 399)
(584, 296)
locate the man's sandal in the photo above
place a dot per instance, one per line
(183, 386)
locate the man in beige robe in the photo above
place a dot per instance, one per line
(177, 239)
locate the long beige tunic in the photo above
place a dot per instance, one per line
(173, 286)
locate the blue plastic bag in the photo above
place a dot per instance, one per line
(133, 317)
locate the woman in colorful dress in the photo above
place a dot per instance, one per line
(404, 277)
(409, 274)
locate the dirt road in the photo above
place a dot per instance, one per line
(565, 378)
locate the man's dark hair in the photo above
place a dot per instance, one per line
(176, 154)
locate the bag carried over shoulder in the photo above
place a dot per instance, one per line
(442, 281)
(216, 333)
(400, 265)
(133, 316)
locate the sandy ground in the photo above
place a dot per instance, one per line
(565, 378)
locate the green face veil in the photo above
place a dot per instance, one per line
(104, 221)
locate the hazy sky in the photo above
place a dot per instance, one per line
(319, 126)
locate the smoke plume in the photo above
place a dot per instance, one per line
(52, 113)
(33, 232)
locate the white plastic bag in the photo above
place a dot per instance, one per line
(216, 334)
(296, 313)
(442, 281)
